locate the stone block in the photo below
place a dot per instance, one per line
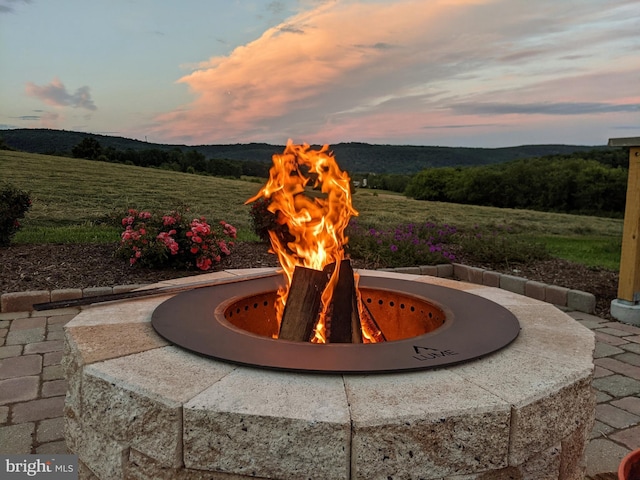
(491, 279)
(4, 415)
(66, 294)
(137, 400)
(96, 291)
(475, 275)
(513, 284)
(461, 272)
(141, 467)
(95, 343)
(431, 270)
(102, 456)
(535, 290)
(445, 270)
(128, 288)
(551, 419)
(408, 270)
(581, 301)
(572, 461)
(248, 423)
(22, 301)
(543, 466)
(556, 295)
(562, 339)
(548, 399)
(406, 441)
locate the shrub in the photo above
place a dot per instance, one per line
(172, 240)
(14, 204)
(405, 245)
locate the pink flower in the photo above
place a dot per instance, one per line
(194, 250)
(203, 263)
(223, 247)
(168, 220)
(144, 215)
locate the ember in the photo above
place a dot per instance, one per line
(312, 256)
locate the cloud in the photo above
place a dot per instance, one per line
(366, 70)
(7, 6)
(544, 108)
(56, 94)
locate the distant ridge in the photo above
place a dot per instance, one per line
(353, 156)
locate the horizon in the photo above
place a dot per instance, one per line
(312, 144)
(451, 73)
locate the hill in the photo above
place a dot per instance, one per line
(354, 157)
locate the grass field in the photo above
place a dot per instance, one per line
(71, 197)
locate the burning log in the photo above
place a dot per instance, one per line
(345, 321)
(303, 303)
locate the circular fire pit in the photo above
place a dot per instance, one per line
(139, 407)
(426, 326)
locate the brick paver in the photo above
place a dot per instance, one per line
(18, 389)
(629, 437)
(20, 366)
(37, 409)
(616, 417)
(630, 404)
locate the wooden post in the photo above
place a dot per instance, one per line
(629, 281)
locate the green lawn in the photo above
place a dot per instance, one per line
(71, 198)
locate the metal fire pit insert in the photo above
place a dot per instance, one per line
(443, 326)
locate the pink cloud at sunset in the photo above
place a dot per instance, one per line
(371, 71)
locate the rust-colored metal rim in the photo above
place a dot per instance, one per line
(475, 327)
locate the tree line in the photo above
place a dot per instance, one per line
(588, 182)
(591, 183)
(190, 161)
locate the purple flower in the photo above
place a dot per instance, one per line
(393, 248)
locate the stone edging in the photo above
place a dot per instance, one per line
(559, 296)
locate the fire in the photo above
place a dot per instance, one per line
(316, 221)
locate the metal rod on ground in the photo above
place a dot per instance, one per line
(150, 292)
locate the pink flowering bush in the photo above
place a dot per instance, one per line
(172, 240)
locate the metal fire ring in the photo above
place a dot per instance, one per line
(474, 327)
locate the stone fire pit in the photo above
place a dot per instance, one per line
(138, 407)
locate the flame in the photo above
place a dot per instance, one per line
(316, 221)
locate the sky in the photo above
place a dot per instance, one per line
(475, 73)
